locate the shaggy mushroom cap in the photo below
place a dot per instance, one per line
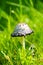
(21, 29)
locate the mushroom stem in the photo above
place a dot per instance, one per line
(23, 42)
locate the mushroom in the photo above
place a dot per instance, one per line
(21, 30)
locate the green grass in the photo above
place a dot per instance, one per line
(11, 51)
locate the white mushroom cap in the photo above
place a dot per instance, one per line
(21, 29)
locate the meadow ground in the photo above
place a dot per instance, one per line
(11, 50)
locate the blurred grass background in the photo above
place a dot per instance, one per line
(11, 13)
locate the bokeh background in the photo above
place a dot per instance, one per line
(13, 12)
